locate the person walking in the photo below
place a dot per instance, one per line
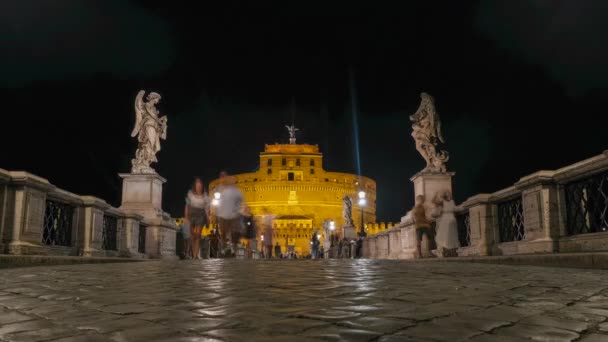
(447, 227)
(423, 225)
(229, 212)
(196, 214)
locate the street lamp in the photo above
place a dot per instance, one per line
(362, 203)
(215, 202)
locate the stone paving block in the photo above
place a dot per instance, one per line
(42, 334)
(108, 326)
(381, 325)
(594, 338)
(501, 313)
(10, 328)
(333, 333)
(548, 321)
(12, 316)
(537, 332)
(159, 332)
(497, 338)
(92, 337)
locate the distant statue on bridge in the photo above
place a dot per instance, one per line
(427, 133)
(149, 129)
(347, 211)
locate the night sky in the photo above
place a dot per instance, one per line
(519, 85)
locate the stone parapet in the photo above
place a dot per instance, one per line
(29, 203)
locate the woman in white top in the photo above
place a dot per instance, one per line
(446, 225)
(196, 213)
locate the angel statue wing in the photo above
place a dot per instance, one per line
(428, 105)
(139, 112)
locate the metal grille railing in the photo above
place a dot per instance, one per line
(587, 205)
(141, 246)
(109, 233)
(57, 229)
(511, 220)
(464, 228)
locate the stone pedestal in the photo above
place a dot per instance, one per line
(142, 194)
(429, 184)
(349, 232)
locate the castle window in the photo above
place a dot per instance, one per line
(326, 179)
(269, 162)
(269, 171)
(283, 161)
(312, 162)
(312, 171)
(255, 179)
(290, 176)
(297, 162)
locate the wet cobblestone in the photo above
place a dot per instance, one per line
(302, 300)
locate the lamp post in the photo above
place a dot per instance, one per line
(362, 203)
(215, 203)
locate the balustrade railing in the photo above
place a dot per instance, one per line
(511, 220)
(109, 233)
(141, 246)
(57, 228)
(587, 204)
(464, 228)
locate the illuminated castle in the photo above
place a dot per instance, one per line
(292, 184)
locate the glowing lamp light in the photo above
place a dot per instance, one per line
(217, 195)
(215, 202)
(361, 194)
(332, 225)
(318, 236)
(362, 202)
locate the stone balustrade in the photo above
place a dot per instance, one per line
(38, 218)
(564, 210)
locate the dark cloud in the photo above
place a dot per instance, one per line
(48, 40)
(567, 38)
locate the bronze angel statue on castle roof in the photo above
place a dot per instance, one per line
(149, 129)
(426, 132)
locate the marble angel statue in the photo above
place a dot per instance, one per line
(292, 133)
(426, 132)
(149, 129)
(347, 211)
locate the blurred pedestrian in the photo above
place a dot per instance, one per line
(229, 211)
(196, 215)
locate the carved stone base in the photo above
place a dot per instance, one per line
(429, 183)
(349, 232)
(142, 194)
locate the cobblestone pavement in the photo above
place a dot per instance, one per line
(302, 300)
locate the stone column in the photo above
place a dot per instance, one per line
(482, 223)
(129, 235)
(395, 249)
(90, 227)
(25, 207)
(408, 240)
(4, 198)
(541, 212)
(160, 239)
